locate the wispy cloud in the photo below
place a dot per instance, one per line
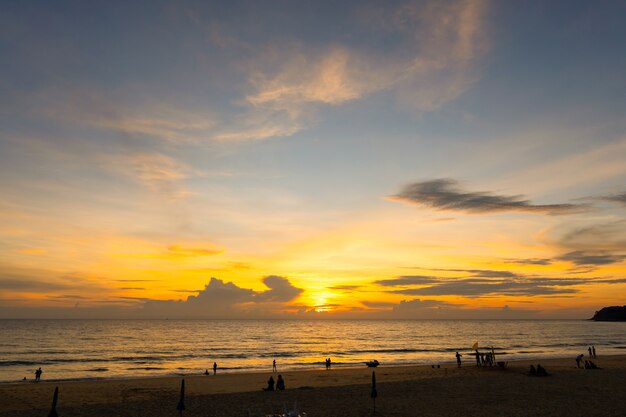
(185, 251)
(530, 261)
(157, 172)
(444, 194)
(591, 258)
(406, 280)
(616, 198)
(477, 287)
(110, 111)
(441, 44)
(488, 283)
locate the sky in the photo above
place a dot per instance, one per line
(312, 159)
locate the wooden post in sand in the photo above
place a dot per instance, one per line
(181, 403)
(53, 410)
(374, 393)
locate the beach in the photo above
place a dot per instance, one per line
(402, 391)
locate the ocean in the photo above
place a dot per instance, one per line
(89, 349)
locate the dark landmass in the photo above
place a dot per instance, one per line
(613, 313)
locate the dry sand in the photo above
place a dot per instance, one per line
(343, 392)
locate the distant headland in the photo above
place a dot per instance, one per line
(613, 313)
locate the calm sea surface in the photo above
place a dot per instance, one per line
(68, 349)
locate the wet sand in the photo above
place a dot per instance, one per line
(402, 391)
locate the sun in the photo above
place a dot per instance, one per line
(320, 301)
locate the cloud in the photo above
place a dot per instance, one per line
(110, 111)
(157, 172)
(486, 273)
(22, 284)
(418, 304)
(378, 304)
(443, 194)
(475, 287)
(406, 280)
(593, 245)
(619, 198)
(488, 283)
(186, 251)
(591, 258)
(608, 236)
(227, 300)
(530, 261)
(280, 290)
(432, 62)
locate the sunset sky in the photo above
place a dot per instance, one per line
(354, 159)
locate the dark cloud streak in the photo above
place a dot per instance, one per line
(444, 194)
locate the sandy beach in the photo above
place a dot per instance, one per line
(402, 391)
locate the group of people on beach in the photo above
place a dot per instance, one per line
(482, 359)
(538, 371)
(592, 352)
(280, 384)
(206, 371)
(588, 363)
(328, 363)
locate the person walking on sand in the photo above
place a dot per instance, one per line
(593, 351)
(274, 366)
(214, 368)
(458, 359)
(38, 373)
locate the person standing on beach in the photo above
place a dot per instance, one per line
(214, 368)
(274, 366)
(38, 373)
(477, 358)
(329, 363)
(458, 359)
(593, 351)
(589, 349)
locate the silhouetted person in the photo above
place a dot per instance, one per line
(458, 359)
(533, 371)
(541, 371)
(38, 373)
(270, 384)
(280, 383)
(274, 366)
(590, 354)
(593, 351)
(593, 365)
(477, 358)
(206, 371)
(587, 365)
(579, 359)
(329, 363)
(214, 368)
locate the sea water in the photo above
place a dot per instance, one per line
(78, 349)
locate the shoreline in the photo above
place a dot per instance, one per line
(467, 355)
(88, 397)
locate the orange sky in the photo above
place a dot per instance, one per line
(455, 159)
